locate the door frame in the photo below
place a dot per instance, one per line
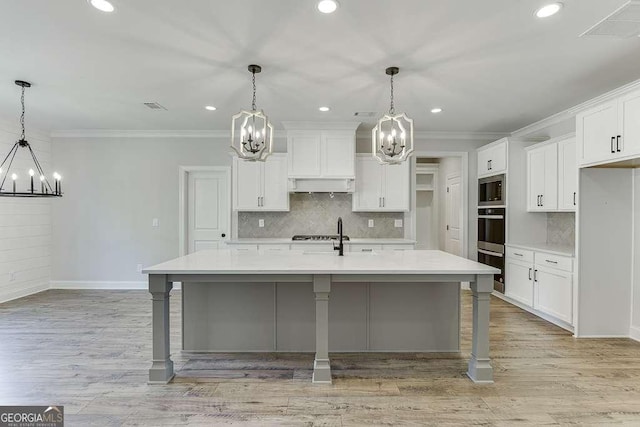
(464, 180)
(183, 183)
(460, 213)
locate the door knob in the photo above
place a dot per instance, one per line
(224, 235)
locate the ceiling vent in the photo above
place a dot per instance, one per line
(365, 114)
(154, 106)
(623, 23)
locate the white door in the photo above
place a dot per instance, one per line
(274, 184)
(629, 126)
(498, 158)
(519, 281)
(453, 236)
(554, 293)
(338, 154)
(368, 195)
(303, 149)
(568, 175)
(207, 210)
(247, 185)
(536, 178)
(596, 133)
(550, 193)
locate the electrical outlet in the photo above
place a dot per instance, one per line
(371, 223)
(397, 223)
(139, 268)
(155, 222)
(261, 222)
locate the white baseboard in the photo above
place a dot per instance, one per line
(22, 292)
(634, 333)
(104, 285)
(544, 316)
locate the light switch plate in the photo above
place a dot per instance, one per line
(155, 222)
(261, 222)
(397, 223)
(371, 223)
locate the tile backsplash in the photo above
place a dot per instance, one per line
(561, 228)
(318, 213)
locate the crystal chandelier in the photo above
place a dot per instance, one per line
(251, 131)
(392, 138)
(16, 188)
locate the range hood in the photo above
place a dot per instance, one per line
(322, 156)
(321, 185)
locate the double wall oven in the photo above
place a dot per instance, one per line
(491, 225)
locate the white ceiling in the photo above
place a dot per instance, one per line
(490, 64)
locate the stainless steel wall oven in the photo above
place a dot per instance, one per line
(491, 240)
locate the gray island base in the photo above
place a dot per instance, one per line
(308, 302)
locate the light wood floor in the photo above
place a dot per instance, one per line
(90, 351)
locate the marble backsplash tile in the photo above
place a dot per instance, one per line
(561, 228)
(318, 213)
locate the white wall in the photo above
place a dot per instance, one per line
(635, 315)
(25, 224)
(448, 166)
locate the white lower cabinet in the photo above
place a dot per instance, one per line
(541, 281)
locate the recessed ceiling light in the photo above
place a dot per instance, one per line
(102, 5)
(549, 10)
(324, 109)
(210, 108)
(327, 6)
(436, 110)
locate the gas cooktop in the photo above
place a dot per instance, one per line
(319, 237)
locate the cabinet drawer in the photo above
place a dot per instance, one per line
(409, 247)
(519, 254)
(273, 247)
(554, 261)
(243, 248)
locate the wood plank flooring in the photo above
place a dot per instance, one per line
(90, 351)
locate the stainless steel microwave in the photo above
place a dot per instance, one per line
(492, 191)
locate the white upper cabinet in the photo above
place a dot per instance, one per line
(609, 132)
(321, 154)
(567, 175)
(260, 186)
(492, 159)
(381, 188)
(552, 176)
(542, 178)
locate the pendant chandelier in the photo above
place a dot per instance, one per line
(392, 138)
(251, 131)
(11, 183)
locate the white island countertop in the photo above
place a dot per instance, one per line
(224, 261)
(288, 241)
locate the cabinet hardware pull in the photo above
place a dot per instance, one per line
(367, 250)
(618, 149)
(517, 254)
(542, 200)
(530, 273)
(258, 201)
(535, 275)
(552, 262)
(574, 198)
(379, 202)
(384, 202)
(613, 141)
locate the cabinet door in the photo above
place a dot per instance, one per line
(368, 194)
(629, 125)
(595, 129)
(483, 162)
(338, 154)
(498, 158)
(535, 178)
(554, 293)
(303, 149)
(550, 191)
(567, 175)
(274, 183)
(519, 281)
(395, 187)
(246, 185)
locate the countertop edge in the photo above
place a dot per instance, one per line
(550, 249)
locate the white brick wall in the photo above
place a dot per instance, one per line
(25, 224)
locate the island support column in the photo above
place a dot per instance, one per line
(321, 365)
(480, 370)
(161, 371)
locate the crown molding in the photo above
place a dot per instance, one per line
(444, 135)
(351, 126)
(570, 113)
(108, 133)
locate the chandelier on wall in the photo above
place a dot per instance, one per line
(392, 138)
(251, 131)
(13, 183)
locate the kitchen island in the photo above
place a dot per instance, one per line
(274, 301)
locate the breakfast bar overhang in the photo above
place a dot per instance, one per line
(324, 272)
